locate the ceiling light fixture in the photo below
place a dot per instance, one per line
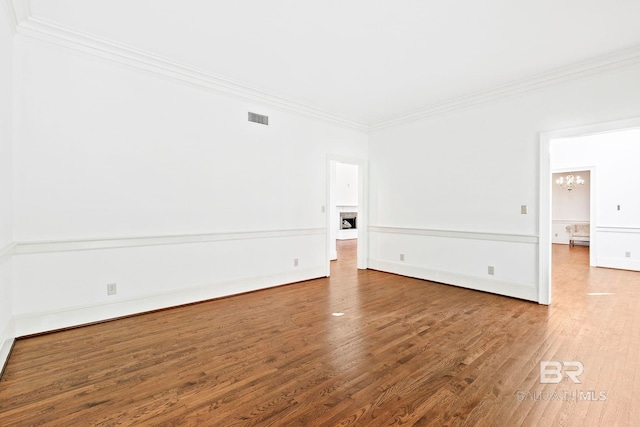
(570, 181)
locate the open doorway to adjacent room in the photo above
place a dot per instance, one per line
(571, 207)
(592, 220)
(345, 213)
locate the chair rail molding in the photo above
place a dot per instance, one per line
(477, 235)
(24, 248)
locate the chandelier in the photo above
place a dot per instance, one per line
(570, 181)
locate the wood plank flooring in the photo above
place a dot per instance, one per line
(405, 352)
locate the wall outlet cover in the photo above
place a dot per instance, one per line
(112, 289)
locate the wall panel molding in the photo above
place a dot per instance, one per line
(570, 221)
(6, 252)
(37, 322)
(24, 248)
(502, 237)
(511, 289)
(619, 263)
(610, 229)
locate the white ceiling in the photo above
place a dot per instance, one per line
(367, 60)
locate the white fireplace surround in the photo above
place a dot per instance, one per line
(346, 233)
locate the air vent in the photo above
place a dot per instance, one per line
(259, 118)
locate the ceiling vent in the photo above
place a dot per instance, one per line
(259, 118)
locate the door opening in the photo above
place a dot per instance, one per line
(605, 152)
(346, 210)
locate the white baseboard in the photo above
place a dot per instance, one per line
(34, 323)
(7, 337)
(516, 290)
(619, 263)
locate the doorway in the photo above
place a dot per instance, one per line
(583, 159)
(346, 209)
(571, 213)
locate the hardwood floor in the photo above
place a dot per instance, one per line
(405, 352)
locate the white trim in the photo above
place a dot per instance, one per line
(619, 263)
(512, 289)
(592, 129)
(616, 229)
(33, 323)
(7, 252)
(501, 237)
(363, 215)
(570, 221)
(7, 337)
(18, 11)
(23, 248)
(21, 10)
(560, 75)
(43, 30)
(11, 16)
(544, 218)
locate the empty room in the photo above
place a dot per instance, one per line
(334, 213)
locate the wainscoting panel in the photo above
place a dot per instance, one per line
(459, 258)
(618, 247)
(63, 284)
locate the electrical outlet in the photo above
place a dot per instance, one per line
(401, 257)
(295, 262)
(524, 210)
(618, 207)
(627, 254)
(490, 270)
(111, 289)
(322, 209)
(556, 234)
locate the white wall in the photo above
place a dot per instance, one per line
(447, 190)
(6, 119)
(346, 184)
(346, 197)
(105, 152)
(569, 207)
(614, 157)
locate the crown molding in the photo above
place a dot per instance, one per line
(24, 24)
(43, 30)
(560, 75)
